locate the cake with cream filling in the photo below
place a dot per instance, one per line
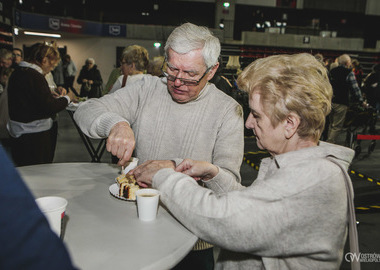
(127, 186)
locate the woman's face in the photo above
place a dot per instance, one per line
(89, 65)
(48, 65)
(268, 137)
(126, 69)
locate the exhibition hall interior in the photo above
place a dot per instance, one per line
(248, 30)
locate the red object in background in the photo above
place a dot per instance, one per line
(367, 137)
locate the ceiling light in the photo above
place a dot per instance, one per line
(42, 34)
(157, 44)
(226, 4)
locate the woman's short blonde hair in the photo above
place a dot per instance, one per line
(138, 55)
(41, 50)
(291, 84)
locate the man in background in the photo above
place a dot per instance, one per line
(345, 91)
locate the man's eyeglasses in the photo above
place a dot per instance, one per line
(186, 82)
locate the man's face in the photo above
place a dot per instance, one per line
(188, 66)
(17, 58)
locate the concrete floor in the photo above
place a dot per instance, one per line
(365, 175)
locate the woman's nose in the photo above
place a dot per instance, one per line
(249, 123)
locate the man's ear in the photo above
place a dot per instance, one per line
(211, 73)
(292, 123)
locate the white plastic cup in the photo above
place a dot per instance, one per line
(147, 203)
(54, 209)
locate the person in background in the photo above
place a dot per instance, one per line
(112, 78)
(90, 79)
(31, 128)
(346, 91)
(6, 69)
(221, 82)
(56, 91)
(58, 74)
(155, 65)
(276, 222)
(17, 56)
(27, 242)
(178, 116)
(5, 58)
(69, 71)
(133, 64)
(371, 90)
(358, 71)
(319, 57)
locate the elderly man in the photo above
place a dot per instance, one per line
(178, 116)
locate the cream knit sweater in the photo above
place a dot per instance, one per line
(209, 128)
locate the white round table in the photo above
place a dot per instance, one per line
(103, 232)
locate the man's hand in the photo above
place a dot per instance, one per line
(199, 170)
(121, 142)
(145, 172)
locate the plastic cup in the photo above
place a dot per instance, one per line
(54, 210)
(147, 203)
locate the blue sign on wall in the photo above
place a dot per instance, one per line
(48, 23)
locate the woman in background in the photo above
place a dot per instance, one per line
(133, 64)
(32, 106)
(90, 79)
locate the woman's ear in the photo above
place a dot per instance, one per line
(44, 60)
(291, 125)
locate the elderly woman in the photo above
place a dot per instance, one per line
(134, 62)
(90, 79)
(32, 107)
(280, 221)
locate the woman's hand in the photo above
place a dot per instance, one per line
(145, 172)
(199, 170)
(61, 91)
(72, 96)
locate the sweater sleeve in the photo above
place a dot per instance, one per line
(229, 145)
(96, 117)
(266, 219)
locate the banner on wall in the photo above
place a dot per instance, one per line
(49, 23)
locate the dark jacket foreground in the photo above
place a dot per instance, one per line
(27, 242)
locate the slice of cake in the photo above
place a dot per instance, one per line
(127, 186)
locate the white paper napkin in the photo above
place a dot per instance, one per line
(131, 165)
